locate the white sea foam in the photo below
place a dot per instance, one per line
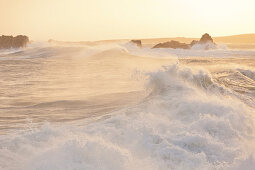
(181, 125)
(187, 121)
(209, 46)
(248, 73)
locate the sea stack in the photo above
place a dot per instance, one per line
(205, 42)
(13, 42)
(206, 38)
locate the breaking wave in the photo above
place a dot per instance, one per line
(188, 120)
(178, 126)
(248, 73)
(207, 46)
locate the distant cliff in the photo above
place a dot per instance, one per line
(13, 42)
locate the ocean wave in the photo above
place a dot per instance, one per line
(168, 77)
(208, 46)
(182, 124)
(248, 73)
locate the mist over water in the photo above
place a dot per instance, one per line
(117, 106)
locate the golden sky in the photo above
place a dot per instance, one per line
(116, 19)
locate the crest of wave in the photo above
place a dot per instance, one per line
(182, 124)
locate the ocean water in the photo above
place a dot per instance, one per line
(116, 106)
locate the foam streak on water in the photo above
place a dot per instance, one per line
(142, 109)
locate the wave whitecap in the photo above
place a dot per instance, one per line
(182, 124)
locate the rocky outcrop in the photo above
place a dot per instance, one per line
(205, 42)
(13, 42)
(172, 44)
(193, 42)
(205, 39)
(137, 42)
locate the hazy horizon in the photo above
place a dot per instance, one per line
(79, 20)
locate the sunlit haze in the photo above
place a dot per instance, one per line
(127, 84)
(76, 20)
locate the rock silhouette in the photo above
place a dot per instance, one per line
(205, 39)
(13, 42)
(172, 44)
(194, 42)
(137, 42)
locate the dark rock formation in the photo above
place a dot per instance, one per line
(137, 42)
(205, 39)
(13, 42)
(172, 44)
(193, 42)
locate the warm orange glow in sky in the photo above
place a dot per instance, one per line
(115, 19)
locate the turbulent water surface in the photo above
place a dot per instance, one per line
(117, 106)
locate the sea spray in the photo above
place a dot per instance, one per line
(178, 126)
(194, 116)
